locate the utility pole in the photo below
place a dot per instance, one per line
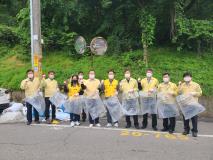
(36, 48)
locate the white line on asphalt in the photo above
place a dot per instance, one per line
(113, 129)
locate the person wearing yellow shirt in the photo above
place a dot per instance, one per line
(50, 86)
(31, 86)
(129, 85)
(73, 90)
(149, 84)
(188, 87)
(92, 88)
(110, 89)
(82, 81)
(169, 89)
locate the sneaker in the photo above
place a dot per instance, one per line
(77, 123)
(98, 125)
(136, 126)
(164, 130)
(28, 123)
(55, 122)
(143, 127)
(194, 134)
(185, 133)
(155, 128)
(109, 125)
(116, 125)
(72, 124)
(91, 125)
(128, 125)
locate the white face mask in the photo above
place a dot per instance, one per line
(51, 76)
(187, 79)
(80, 76)
(30, 76)
(91, 76)
(149, 74)
(166, 80)
(127, 75)
(111, 76)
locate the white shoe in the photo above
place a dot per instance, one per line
(72, 124)
(98, 125)
(91, 125)
(77, 123)
(116, 125)
(109, 125)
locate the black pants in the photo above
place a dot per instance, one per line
(109, 118)
(84, 115)
(169, 123)
(145, 120)
(74, 117)
(47, 109)
(95, 121)
(29, 113)
(194, 124)
(135, 118)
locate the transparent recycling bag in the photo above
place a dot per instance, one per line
(37, 102)
(114, 107)
(147, 103)
(130, 104)
(95, 106)
(166, 106)
(58, 99)
(73, 106)
(189, 106)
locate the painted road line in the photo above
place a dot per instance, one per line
(113, 129)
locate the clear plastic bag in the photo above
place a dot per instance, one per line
(167, 106)
(189, 107)
(12, 117)
(95, 107)
(58, 99)
(37, 102)
(148, 103)
(114, 107)
(130, 106)
(73, 106)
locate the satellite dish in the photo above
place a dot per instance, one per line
(98, 46)
(80, 45)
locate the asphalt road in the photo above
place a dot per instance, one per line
(61, 142)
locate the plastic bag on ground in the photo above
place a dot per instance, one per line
(114, 107)
(189, 107)
(60, 115)
(148, 103)
(12, 117)
(167, 106)
(14, 107)
(37, 102)
(95, 106)
(58, 99)
(130, 104)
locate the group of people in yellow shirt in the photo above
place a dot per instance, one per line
(77, 85)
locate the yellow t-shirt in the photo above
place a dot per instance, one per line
(149, 85)
(73, 90)
(30, 87)
(110, 88)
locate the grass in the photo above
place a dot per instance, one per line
(14, 65)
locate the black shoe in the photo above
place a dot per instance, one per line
(185, 133)
(28, 123)
(171, 131)
(37, 122)
(128, 125)
(136, 126)
(143, 127)
(155, 128)
(194, 134)
(83, 120)
(164, 130)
